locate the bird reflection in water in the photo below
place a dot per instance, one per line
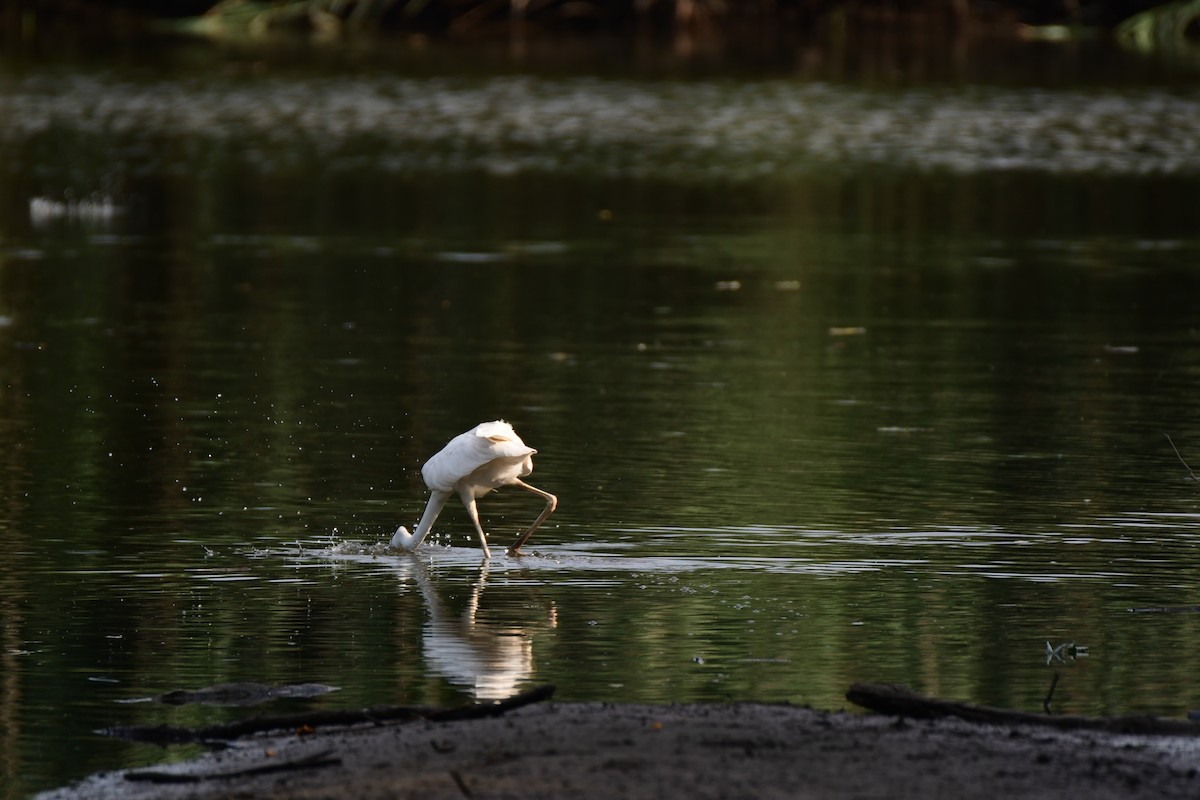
(492, 659)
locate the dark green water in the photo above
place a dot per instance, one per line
(833, 381)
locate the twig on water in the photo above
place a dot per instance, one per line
(1050, 694)
(1181, 461)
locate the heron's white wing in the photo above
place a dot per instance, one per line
(469, 451)
(498, 430)
(501, 440)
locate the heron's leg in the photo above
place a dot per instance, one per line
(551, 504)
(469, 501)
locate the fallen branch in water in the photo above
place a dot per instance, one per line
(903, 702)
(169, 734)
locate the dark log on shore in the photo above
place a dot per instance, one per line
(901, 701)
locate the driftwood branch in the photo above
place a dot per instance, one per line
(169, 734)
(903, 702)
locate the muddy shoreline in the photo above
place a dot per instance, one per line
(586, 750)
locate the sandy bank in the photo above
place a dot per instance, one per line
(588, 750)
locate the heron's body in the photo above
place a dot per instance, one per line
(488, 456)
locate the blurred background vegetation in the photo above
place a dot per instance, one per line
(63, 20)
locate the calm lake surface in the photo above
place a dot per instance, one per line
(836, 379)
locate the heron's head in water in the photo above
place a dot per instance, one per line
(402, 539)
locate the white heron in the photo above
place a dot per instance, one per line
(488, 456)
